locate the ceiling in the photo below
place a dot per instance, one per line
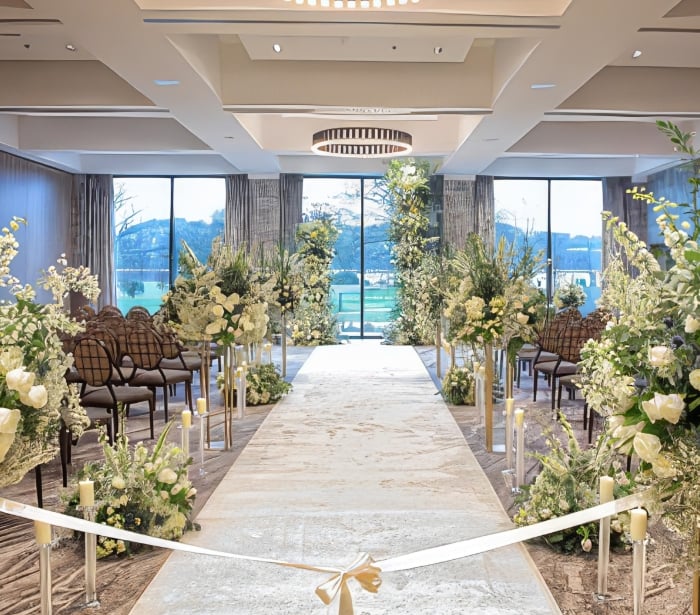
(498, 87)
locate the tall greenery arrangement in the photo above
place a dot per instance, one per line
(643, 374)
(314, 323)
(34, 395)
(495, 301)
(414, 319)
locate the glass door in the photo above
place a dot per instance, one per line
(362, 287)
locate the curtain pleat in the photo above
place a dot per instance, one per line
(467, 207)
(291, 196)
(93, 230)
(238, 216)
(42, 196)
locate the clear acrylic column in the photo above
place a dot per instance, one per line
(607, 485)
(86, 489)
(519, 449)
(42, 532)
(638, 532)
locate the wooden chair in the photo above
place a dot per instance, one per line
(96, 367)
(139, 312)
(145, 349)
(549, 341)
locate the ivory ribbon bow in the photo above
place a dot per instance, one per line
(362, 571)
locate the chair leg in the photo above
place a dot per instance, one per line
(151, 412)
(165, 402)
(535, 377)
(39, 487)
(559, 388)
(64, 446)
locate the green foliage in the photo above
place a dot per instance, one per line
(346, 277)
(567, 482)
(458, 386)
(569, 295)
(264, 385)
(131, 287)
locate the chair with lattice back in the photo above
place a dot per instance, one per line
(144, 347)
(95, 365)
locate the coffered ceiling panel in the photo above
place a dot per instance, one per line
(516, 87)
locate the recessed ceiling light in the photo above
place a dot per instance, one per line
(70, 47)
(438, 50)
(165, 82)
(636, 53)
(543, 86)
(277, 48)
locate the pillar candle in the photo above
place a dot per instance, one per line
(519, 417)
(607, 483)
(638, 524)
(509, 405)
(186, 419)
(86, 489)
(201, 405)
(42, 533)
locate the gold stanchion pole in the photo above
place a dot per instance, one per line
(284, 345)
(488, 397)
(509, 375)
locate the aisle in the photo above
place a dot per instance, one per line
(361, 456)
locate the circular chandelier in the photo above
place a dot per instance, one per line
(353, 4)
(361, 142)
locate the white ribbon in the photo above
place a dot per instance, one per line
(367, 567)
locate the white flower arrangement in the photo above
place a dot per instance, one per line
(34, 395)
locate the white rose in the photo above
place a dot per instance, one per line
(522, 318)
(36, 397)
(218, 310)
(167, 476)
(692, 324)
(667, 407)
(695, 379)
(647, 446)
(9, 417)
(659, 356)
(118, 482)
(10, 359)
(19, 380)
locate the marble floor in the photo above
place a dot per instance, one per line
(362, 456)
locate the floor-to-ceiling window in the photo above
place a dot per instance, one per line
(363, 277)
(152, 217)
(562, 218)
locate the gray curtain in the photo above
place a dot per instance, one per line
(238, 218)
(465, 206)
(93, 230)
(291, 193)
(620, 204)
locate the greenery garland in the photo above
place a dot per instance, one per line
(314, 323)
(414, 320)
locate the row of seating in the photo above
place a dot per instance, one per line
(124, 360)
(557, 353)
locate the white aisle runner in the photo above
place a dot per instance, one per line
(361, 456)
